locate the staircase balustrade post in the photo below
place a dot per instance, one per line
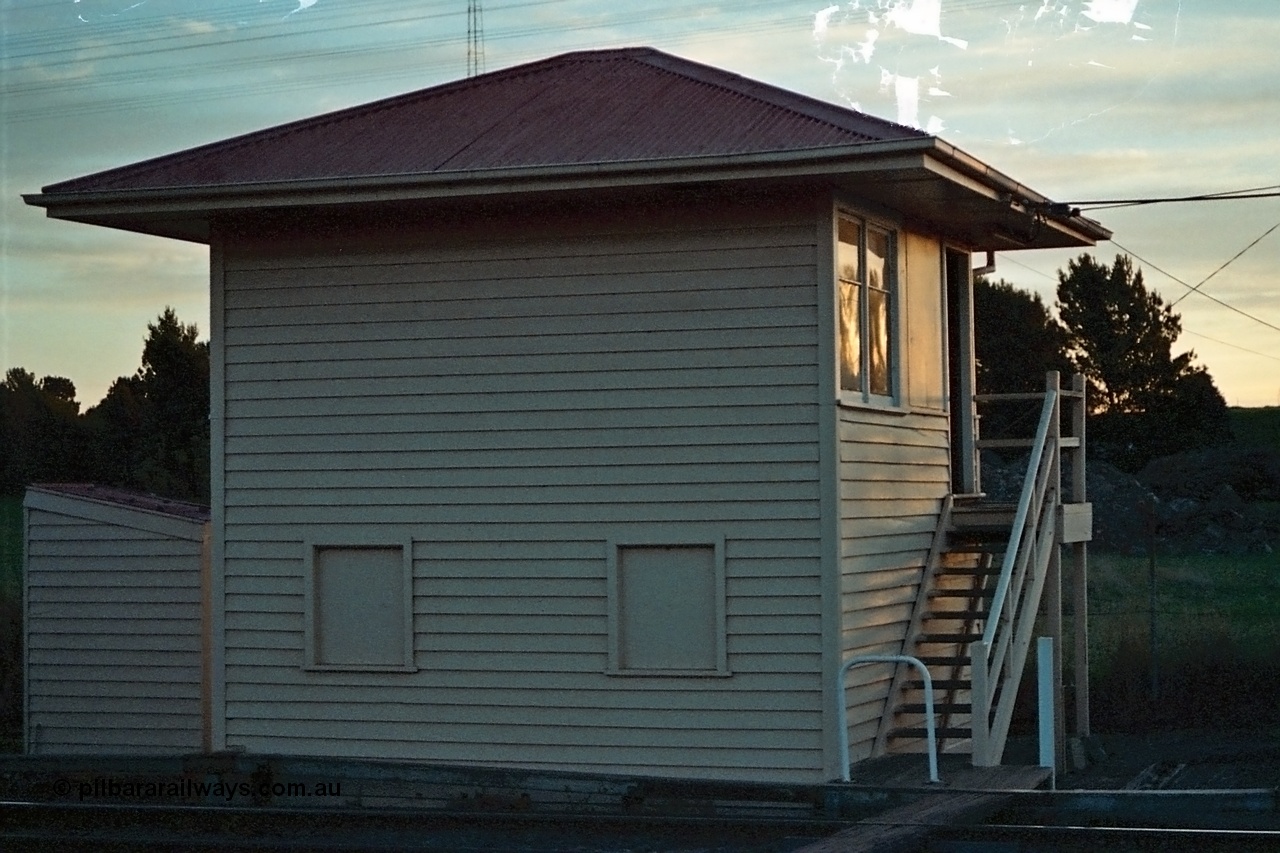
(1053, 578)
(980, 700)
(1080, 567)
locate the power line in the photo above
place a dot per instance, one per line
(1025, 267)
(1226, 195)
(1229, 344)
(706, 30)
(1225, 264)
(1208, 296)
(1153, 266)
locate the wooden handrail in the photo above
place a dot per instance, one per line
(1047, 413)
(998, 657)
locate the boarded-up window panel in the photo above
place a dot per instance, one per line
(667, 611)
(358, 603)
(924, 321)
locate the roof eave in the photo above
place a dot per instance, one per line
(1021, 197)
(185, 212)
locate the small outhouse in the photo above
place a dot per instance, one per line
(116, 655)
(590, 414)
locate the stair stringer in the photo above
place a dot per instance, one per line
(928, 579)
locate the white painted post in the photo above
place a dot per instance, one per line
(1045, 683)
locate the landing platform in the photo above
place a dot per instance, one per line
(911, 771)
(965, 795)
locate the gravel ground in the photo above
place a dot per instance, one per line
(1196, 759)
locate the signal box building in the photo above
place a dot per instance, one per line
(586, 414)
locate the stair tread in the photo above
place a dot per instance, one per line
(994, 548)
(948, 638)
(940, 592)
(968, 570)
(921, 731)
(943, 660)
(938, 707)
(942, 684)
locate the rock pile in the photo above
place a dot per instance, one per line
(1217, 501)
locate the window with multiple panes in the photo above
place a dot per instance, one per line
(866, 270)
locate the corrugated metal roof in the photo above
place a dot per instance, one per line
(607, 106)
(128, 498)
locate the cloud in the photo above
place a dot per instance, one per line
(1110, 11)
(198, 28)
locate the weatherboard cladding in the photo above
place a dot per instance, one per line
(113, 616)
(608, 106)
(893, 471)
(511, 407)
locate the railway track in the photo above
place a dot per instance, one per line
(1031, 825)
(1028, 838)
(66, 827)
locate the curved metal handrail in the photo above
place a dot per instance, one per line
(842, 712)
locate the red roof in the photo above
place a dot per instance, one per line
(594, 120)
(591, 107)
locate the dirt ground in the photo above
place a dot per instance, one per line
(1196, 759)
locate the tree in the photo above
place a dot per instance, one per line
(1145, 400)
(115, 434)
(174, 381)
(40, 435)
(1017, 340)
(1016, 337)
(151, 431)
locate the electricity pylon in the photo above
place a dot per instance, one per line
(475, 38)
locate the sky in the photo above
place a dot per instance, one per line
(1081, 100)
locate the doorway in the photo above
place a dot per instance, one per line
(960, 371)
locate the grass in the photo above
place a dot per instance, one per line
(11, 547)
(1217, 641)
(10, 623)
(1256, 427)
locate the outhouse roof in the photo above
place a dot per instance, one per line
(574, 122)
(128, 498)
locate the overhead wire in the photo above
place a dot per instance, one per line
(1208, 296)
(1043, 274)
(1225, 264)
(1226, 195)
(1165, 272)
(54, 40)
(1229, 344)
(382, 49)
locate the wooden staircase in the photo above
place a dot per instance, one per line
(987, 571)
(952, 612)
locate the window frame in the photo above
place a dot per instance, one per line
(614, 548)
(864, 396)
(311, 614)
